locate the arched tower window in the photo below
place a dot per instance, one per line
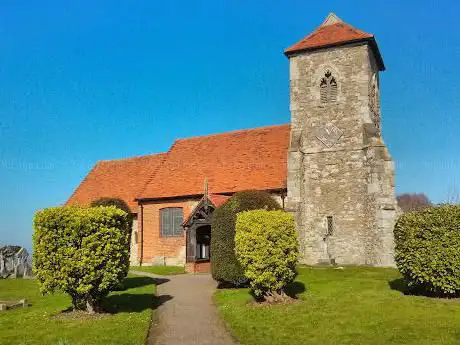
(328, 88)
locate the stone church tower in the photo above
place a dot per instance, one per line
(340, 173)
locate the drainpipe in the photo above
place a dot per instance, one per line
(141, 251)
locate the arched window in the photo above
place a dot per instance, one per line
(171, 219)
(328, 88)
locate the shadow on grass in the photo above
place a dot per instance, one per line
(133, 303)
(128, 302)
(134, 282)
(120, 303)
(293, 290)
(296, 288)
(401, 286)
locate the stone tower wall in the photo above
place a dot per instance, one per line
(338, 166)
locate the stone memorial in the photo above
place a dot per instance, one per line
(15, 262)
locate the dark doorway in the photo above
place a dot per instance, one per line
(203, 243)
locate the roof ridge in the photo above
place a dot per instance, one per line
(236, 131)
(130, 158)
(338, 24)
(333, 32)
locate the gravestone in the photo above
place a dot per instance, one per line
(15, 262)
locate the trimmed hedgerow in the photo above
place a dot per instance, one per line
(81, 251)
(267, 248)
(224, 265)
(428, 250)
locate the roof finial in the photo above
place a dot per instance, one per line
(331, 19)
(205, 192)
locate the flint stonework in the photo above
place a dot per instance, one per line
(345, 173)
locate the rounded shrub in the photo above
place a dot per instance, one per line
(81, 251)
(267, 249)
(427, 250)
(224, 265)
(122, 205)
(106, 201)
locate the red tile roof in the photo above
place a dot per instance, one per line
(123, 179)
(233, 161)
(331, 33)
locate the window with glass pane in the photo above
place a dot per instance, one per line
(171, 219)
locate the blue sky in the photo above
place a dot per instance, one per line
(88, 80)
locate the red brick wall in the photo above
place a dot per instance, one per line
(153, 244)
(198, 267)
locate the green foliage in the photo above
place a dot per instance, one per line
(267, 249)
(224, 265)
(428, 250)
(81, 251)
(105, 201)
(118, 203)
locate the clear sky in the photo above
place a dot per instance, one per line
(87, 80)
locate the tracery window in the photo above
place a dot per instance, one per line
(328, 88)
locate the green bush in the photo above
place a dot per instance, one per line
(122, 205)
(106, 201)
(428, 250)
(224, 265)
(267, 249)
(81, 251)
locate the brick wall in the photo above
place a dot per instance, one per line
(162, 250)
(159, 250)
(198, 267)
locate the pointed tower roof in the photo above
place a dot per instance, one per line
(334, 32)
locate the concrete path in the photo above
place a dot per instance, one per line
(186, 314)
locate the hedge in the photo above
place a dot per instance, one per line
(267, 249)
(224, 265)
(428, 250)
(122, 205)
(109, 201)
(81, 251)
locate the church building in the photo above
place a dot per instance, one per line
(329, 166)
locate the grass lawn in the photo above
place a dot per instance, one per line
(128, 323)
(160, 270)
(350, 306)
